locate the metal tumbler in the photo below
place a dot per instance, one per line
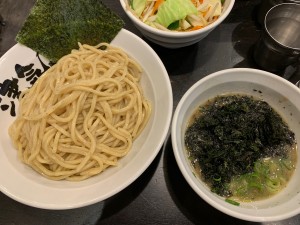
(279, 44)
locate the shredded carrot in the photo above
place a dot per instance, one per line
(156, 5)
(195, 2)
(196, 28)
(215, 18)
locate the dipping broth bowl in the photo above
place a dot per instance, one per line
(282, 96)
(172, 39)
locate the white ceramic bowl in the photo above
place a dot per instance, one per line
(283, 96)
(171, 39)
(21, 183)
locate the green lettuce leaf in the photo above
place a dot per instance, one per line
(173, 10)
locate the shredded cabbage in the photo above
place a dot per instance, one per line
(218, 10)
(138, 6)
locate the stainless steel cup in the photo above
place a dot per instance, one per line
(279, 44)
(266, 5)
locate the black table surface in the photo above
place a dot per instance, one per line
(160, 195)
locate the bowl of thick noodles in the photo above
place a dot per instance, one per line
(177, 23)
(235, 135)
(87, 127)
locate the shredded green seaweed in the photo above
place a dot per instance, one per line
(231, 134)
(55, 27)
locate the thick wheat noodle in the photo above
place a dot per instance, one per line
(82, 115)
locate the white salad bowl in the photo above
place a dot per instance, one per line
(283, 96)
(171, 39)
(23, 184)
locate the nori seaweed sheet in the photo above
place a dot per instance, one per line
(54, 27)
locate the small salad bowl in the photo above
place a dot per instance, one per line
(176, 39)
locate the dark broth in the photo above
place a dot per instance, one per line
(258, 168)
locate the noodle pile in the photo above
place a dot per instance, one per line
(82, 114)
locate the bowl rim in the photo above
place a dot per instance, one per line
(230, 210)
(172, 34)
